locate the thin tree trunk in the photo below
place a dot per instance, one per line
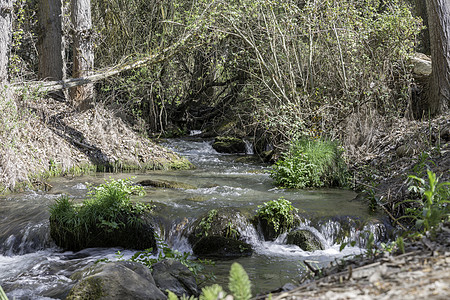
(83, 54)
(439, 26)
(50, 47)
(6, 7)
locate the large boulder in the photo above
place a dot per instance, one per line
(225, 144)
(220, 233)
(305, 239)
(116, 280)
(172, 275)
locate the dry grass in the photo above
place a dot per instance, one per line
(43, 136)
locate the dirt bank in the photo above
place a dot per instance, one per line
(44, 137)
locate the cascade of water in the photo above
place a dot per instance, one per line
(248, 147)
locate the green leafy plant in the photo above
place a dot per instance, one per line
(279, 213)
(432, 207)
(148, 258)
(230, 231)
(239, 284)
(310, 163)
(205, 223)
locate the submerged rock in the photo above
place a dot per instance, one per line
(305, 239)
(166, 184)
(172, 275)
(226, 144)
(116, 280)
(219, 233)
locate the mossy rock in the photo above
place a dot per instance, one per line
(116, 280)
(225, 222)
(224, 227)
(166, 184)
(221, 247)
(138, 237)
(304, 239)
(268, 230)
(225, 144)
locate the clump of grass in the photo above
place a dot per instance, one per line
(106, 218)
(311, 164)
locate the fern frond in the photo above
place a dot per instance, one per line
(239, 284)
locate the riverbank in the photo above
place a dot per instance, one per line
(42, 137)
(423, 272)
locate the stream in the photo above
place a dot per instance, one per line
(32, 267)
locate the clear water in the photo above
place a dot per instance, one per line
(31, 267)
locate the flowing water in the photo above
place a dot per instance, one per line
(32, 267)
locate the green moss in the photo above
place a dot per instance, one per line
(89, 288)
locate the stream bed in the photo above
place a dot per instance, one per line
(32, 267)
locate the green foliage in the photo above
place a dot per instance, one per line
(147, 257)
(205, 223)
(212, 292)
(433, 206)
(108, 207)
(279, 213)
(311, 163)
(239, 284)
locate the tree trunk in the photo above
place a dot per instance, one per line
(6, 7)
(439, 26)
(83, 54)
(50, 47)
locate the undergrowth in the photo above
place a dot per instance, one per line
(311, 164)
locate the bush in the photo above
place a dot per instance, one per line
(106, 218)
(311, 163)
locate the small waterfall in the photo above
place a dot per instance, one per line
(347, 229)
(195, 132)
(248, 147)
(29, 239)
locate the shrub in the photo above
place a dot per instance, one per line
(278, 213)
(107, 211)
(311, 163)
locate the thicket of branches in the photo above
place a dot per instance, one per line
(278, 69)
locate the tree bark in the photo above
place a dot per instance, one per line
(50, 43)
(6, 7)
(83, 54)
(439, 26)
